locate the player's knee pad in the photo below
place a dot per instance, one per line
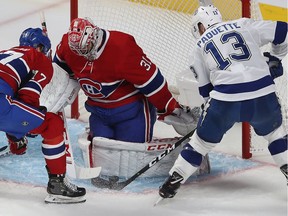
(51, 128)
(191, 155)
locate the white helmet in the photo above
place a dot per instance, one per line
(84, 38)
(207, 15)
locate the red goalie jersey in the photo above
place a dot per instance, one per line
(120, 74)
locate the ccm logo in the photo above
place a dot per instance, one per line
(159, 147)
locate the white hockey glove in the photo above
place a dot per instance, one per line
(183, 119)
(275, 65)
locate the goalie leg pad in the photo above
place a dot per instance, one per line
(124, 159)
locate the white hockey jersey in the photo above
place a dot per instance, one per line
(228, 62)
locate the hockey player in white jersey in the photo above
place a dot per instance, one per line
(237, 85)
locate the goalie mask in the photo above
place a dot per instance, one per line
(208, 16)
(35, 37)
(83, 38)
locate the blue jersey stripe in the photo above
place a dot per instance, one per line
(153, 85)
(53, 151)
(280, 33)
(20, 67)
(245, 87)
(34, 85)
(205, 90)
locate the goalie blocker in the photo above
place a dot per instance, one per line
(61, 91)
(124, 159)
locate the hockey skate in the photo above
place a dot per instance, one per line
(170, 186)
(61, 191)
(284, 170)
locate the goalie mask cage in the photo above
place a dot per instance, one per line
(162, 29)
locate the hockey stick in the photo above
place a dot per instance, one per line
(73, 170)
(113, 183)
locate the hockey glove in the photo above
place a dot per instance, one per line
(183, 119)
(17, 146)
(275, 65)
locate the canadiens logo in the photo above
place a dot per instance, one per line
(91, 88)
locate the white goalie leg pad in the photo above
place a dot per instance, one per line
(124, 159)
(183, 167)
(60, 91)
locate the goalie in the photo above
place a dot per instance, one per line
(125, 89)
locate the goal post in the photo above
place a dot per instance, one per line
(162, 29)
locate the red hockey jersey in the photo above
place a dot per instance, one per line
(27, 71)
(119, 75)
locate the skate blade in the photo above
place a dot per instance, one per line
(58, 199)
(158, 200)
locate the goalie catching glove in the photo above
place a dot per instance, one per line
(17, 146)
(183, 119)
(275, 65)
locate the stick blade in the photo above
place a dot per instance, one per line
(87, 173)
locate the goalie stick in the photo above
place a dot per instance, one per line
(73, 170)
(113, 183)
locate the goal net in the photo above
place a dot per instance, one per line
(163, 29)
